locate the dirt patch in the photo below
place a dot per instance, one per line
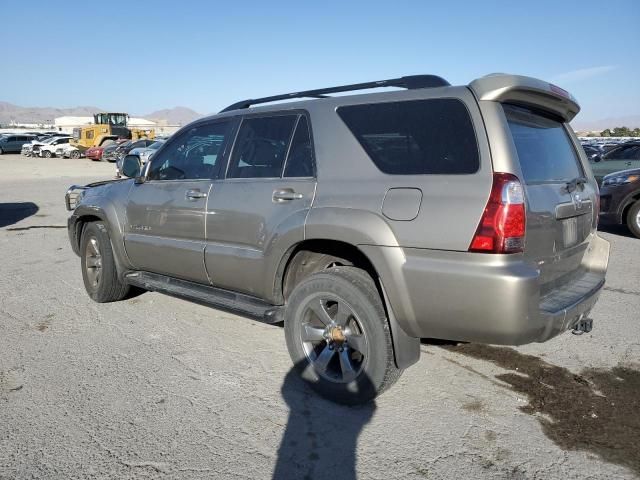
(596, 411)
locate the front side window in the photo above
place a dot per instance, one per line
(415, 137)
(193, 155)
(261, 147)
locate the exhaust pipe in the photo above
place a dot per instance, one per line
(584, 325)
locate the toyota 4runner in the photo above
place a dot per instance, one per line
(363, 222)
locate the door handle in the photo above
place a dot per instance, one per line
(194, 195)
(628, 164)
(285, 195)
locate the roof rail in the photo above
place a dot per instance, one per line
(409, 82)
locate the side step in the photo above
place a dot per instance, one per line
(216, 297)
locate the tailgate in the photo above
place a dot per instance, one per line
(561, 200)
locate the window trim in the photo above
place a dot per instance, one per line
(275, 113)
(474, 128)
(233, 125)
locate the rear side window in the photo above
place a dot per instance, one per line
(544, 148)
(261, 147)
(300, 160)
(416, 137)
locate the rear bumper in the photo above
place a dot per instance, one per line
(484, 298)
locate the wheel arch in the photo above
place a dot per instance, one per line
(406, 349)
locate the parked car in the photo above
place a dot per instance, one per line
(94, 153)
(109, 153)
(144, 153)
(48, 150)
(126, 147)
(68, 151)
(622, 157)
(364, 222)
(620, 199)
(592, 151)
(13, 143)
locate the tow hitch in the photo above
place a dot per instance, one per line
(584, 325)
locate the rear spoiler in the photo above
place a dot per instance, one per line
(504, 88)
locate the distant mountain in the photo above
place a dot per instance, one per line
(10, 112)
(632, 121)
(15, 113)
(174, 116)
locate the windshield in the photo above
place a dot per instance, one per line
(155, 145)
(544, 148)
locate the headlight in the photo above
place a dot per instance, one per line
(620, 179)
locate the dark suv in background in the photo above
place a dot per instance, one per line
(363, 222)
(620, 199)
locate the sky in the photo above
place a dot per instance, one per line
(141, 56)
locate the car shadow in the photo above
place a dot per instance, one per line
(595, 411)
(11, 213)
(321, 437)
(621, 230)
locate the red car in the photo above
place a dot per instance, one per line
(94, 153)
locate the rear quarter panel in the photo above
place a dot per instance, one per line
(451, 205)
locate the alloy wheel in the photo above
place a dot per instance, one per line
(333, 339)
(93, 262)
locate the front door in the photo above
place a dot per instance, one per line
(165, 224)
(623, 157)
(259, 210)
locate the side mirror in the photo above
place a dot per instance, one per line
(597, 158)
(131, 166)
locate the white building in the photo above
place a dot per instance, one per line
(67, 124)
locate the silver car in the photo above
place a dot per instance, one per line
(363, 222)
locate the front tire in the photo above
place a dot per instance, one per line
(633, 219)
(75, 154)
(98, 265)
(47, 154)
(338, 336)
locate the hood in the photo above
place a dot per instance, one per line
(631, 171)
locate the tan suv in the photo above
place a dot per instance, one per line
(363, 222)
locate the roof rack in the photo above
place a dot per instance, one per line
(409, 82)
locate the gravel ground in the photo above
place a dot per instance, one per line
(157, 387)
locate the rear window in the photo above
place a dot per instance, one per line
(416, 137)
(544, 148)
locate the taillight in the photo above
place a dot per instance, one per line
(502, 227)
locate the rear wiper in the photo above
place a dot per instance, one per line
(573, 184)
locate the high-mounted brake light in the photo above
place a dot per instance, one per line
(502, 227)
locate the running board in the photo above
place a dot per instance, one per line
(215, 297)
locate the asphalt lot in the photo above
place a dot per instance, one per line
(157, 387)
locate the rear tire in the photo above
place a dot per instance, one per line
(99, 271)
(633, 218)
(338, 336)
(75, 154)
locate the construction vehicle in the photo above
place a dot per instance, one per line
(107, 128)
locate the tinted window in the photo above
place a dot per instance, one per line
(416, 137)
(192, 155)
(300, 158)
(627, 152)
(544, 148)
(261, 147)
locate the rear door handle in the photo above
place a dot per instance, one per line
(285, 195)
(628, 164)
(194, 195)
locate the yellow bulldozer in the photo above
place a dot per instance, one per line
(107, 128)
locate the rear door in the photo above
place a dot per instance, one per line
(560, 197)
(165, 224)
(259, 210)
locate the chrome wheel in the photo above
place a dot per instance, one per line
(333, 339)
(93, 262)
(638, 219)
